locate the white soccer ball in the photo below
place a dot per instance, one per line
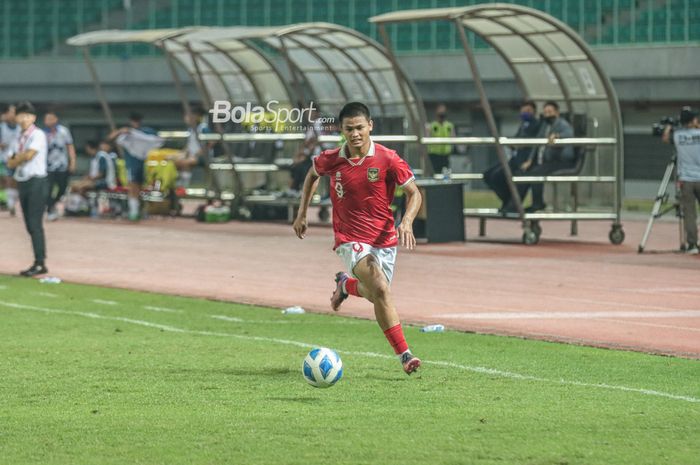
(322, 368)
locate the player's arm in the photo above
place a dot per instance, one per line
(666, 136)
(413, 203)
(310, 185)
(19, 158)
(71, 158)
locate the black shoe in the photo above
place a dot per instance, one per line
(34, 270)
(535, 207)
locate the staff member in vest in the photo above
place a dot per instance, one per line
(28, 159)
(440, 153)
(61, 161)
(687, 142)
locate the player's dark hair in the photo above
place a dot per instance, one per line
(551, 103)
(135, 116)
(352, 110)
(92, 144)
(25, 107)
(531, 104)
(5, 107)
(198, 110)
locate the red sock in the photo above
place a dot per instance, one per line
(395, 337)
(351, 287)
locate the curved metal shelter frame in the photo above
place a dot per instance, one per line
(320, 62)
(296, 64)
(549, 62)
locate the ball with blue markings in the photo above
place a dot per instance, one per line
(322, 368)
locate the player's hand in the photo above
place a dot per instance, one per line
(406, 237)
(551, 138)
(526, 164)
(300, 226)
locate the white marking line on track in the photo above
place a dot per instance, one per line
(161, 309)
(653, 325)
(473, 369)
(568, 315)
(104, 302)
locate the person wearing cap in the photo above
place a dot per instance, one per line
(686, 139)
(28, 159)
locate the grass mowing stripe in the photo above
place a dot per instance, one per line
(445, 364)
(104, 302)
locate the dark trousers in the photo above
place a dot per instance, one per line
(58, 182)
(439, 162)
(495, 178)
(544, 169)
(690, 192)
(32, 197)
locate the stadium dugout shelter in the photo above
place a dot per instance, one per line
(549, 62)
(294, 65)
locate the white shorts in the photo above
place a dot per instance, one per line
(352, 252)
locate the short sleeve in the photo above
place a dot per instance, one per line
(37, 142)
(400, 170)
(319, 163)
(68, 136)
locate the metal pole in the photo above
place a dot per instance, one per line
(98, 89)
(178, 83)
(489, 117)
(418, 131)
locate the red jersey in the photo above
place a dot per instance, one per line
(362, 191)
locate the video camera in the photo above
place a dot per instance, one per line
(657, 129)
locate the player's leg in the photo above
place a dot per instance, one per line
(374, 280)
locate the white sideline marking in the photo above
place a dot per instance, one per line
(305, 345)
(227, 318)
(104, 302)
(161, 309)
(46, 294)
(569, 315)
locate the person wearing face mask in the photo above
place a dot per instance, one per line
(440, 153)
(28, 160)
(547, 159)
(495, 176)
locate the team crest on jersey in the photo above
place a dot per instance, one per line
(373, 174)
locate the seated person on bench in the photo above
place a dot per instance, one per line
(196, 153)
(102, 174)
(495, 176)
(549, 158)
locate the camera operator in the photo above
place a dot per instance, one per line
(686, 139)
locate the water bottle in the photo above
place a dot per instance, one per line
(446, 174)
(432, 329)
(296, 310)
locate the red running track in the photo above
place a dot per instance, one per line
(578, 290)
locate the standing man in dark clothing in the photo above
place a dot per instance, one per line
(549, 158)
(28, 159)
(61, 161)
(495, 177)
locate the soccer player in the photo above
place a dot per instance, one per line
(61, 161)
(363, 177)
(28, 159)
(136, 140)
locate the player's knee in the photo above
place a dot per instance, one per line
(381, 291)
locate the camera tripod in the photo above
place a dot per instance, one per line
(662, 207)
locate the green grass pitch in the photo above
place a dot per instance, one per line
(103, 376)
